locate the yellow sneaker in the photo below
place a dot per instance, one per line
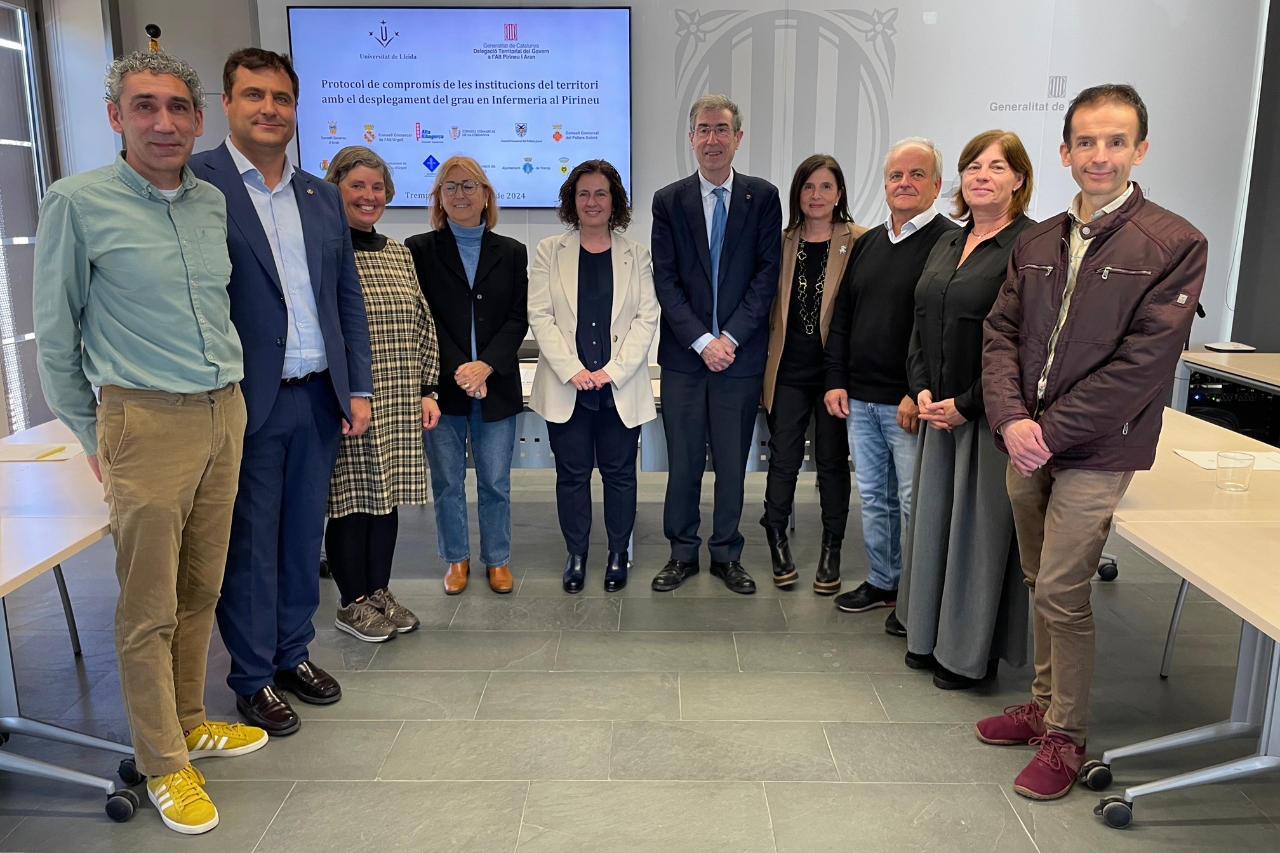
(183, 805)
(209, 739)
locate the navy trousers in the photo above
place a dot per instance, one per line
(271, 588)
(587, 440)
(700, 409)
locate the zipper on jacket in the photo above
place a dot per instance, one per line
(1106, 271)
(1048, 270)
(1125, 431)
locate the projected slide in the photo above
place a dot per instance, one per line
(529, 93)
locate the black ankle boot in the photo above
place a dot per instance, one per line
(827, 579)
(615, 573)
(575, 573)
(784, 570)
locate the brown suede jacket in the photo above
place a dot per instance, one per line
(1130, 314)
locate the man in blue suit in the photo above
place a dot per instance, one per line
(297, 304)
(717, 238)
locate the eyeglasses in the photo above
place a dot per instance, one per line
(467, 187)
(720, 131)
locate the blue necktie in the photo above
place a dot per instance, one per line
(718, 218)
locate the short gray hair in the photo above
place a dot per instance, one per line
(158, 62)
(715, 102)
(358, 155)
(919, 142)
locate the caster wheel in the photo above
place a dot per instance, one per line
(1115, 811)
(324, 567)
(121, 805)
(1096, 775)
(1108, 571)
(129, 774)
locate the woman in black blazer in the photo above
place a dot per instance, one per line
(477, 284)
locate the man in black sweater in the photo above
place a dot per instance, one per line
(866, 363)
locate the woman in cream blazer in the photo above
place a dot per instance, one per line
(594, 312)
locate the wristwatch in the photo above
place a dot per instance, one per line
(434, 395)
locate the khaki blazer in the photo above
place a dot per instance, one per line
(553, 316)
(843, 235)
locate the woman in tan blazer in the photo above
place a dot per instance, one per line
(815, 246)
(594, 312)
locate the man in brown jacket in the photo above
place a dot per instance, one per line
(1078, 355)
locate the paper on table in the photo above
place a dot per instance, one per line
(1208, 459)
(29, 452)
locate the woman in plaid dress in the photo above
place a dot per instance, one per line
(384, 467)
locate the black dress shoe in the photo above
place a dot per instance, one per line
(269, 710)
(674, 573)
(826, 581)
(309, 683)
(575, 573)
(784, 570)
(734, 576)
(615, 574)
(945, 679)
(893, 627)
(916, 661)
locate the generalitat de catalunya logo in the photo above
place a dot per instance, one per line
(509, 32)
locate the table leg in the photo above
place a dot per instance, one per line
(1167, 662)
(66, 609)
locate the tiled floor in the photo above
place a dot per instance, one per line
(692, 722)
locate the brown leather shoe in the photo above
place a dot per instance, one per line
(500, 579)
(455, 580)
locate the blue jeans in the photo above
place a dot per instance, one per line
(884, 458)
(491, 447)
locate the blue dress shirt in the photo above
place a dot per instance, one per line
(278, 209)
(469, 239)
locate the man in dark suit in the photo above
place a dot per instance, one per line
(717, 238)
(297, 304)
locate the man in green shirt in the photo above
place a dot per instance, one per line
(131, 296)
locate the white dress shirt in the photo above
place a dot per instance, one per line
(278, 210)
(911, 226)
(709, 212)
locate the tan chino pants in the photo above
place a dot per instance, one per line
(1063, 517)
(170, 468)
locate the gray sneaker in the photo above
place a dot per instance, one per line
(363, 621)
(395, 612)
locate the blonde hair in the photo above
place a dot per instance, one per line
(440, 219)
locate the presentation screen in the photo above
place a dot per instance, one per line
(528, 92)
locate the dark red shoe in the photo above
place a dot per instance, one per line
(1053, 771)
(1018, 724)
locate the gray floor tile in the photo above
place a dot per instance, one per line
(646, 651)
(581, 696)
(549, 585)
(645, 817)
(51, 649)
(1185, 700)
(816, 614)
(910, 697)
(47, 694)
(844, 818)
(778, 696)
(819, 652)
(1213, 817)
(92, 612)
(319, 750)
(476, 650)
(740, 613)
(74, 822)
(402, 696)
(1151, 618)
(500, 750)
(338, 651)
(746, 752)
(561, 613)
(921, 752)
(341, 817)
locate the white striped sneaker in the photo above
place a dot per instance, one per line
(210, 738)
(183, 805)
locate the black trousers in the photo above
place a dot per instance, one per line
(697, 409)
(585, 441)
(788, 423)
(360, 547)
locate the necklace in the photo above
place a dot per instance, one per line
(809, 305)
(988, 233)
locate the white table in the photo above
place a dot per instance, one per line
(50, 511)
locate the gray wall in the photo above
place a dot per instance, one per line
(850, 82)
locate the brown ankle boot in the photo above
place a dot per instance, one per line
(500, 579)
(455, 580)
